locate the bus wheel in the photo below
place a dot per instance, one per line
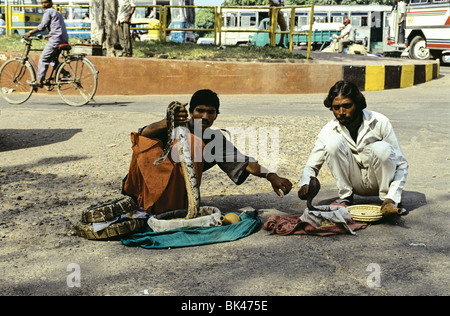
(418, 48)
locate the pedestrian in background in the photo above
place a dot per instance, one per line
(2, 23)
(125, 12)
(281, 20)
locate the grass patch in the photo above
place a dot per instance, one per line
(149, 49)
(154, 49)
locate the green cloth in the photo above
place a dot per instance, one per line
(195, 236)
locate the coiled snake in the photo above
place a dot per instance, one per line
(181, 134)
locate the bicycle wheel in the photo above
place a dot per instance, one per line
(76, 80)
(14, 75)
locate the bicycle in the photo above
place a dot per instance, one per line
(75, 77)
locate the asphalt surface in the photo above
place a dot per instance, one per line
(408, 256)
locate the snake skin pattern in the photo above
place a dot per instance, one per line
(181, 134)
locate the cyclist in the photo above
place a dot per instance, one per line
(54, 22)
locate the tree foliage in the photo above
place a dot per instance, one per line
(204, 19)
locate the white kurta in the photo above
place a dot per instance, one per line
(375, 164)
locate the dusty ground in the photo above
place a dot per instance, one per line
(55, 161)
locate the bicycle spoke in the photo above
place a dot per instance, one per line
(14, 75)
(77, 82)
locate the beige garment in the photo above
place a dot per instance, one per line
(103, 24)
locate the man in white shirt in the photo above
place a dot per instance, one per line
(347, 37)
(125, 12)
(401, 9)
(360, 149)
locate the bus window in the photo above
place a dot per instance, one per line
(338, 17)
(230, 20)
(360, 18)
(248, 19)
(78, 13)
(139, 13)
(302, 18)
(419, 1)
(321, 17)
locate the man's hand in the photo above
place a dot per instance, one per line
(181, 115)
(279, 183)
(303, 191)
(27, 34)
(388, 207)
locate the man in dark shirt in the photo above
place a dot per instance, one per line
(161, 188)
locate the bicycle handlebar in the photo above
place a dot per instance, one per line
(31, 38)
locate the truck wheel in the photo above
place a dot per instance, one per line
(418, 48)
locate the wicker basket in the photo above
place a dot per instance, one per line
(86, 230)
(365, 212)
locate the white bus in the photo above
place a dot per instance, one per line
(427, 31)
(76, 15)
(244, 21)
(370, 22)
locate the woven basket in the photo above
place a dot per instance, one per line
(86, 230)
(108, 210)
(365, 212)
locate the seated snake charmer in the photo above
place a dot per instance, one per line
(161, 188)
(360, 149)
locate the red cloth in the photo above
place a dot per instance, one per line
(292, 225)
(158, 188)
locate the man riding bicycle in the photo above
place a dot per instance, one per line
(54, 22)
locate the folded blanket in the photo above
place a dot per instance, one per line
(195, 236)
(293, 225)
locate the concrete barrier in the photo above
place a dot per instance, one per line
(139, 76)
(380, 77)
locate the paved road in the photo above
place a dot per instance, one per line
(411, 253)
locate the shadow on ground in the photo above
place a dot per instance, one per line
(14, 139)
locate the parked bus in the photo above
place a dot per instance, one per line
(76, 14)
(182, 18)
(370, 22)
(240, 20)
(427, 31)
(24, 18)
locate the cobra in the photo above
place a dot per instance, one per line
(181, 134)
(314, 188)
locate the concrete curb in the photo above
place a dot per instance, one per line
(381, 77)
(139, 76)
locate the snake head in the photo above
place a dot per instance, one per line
(314, 187)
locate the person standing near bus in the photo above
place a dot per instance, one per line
(125, 12)
(53, 21)
(281, 20)
(401, 9)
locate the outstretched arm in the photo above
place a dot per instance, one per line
(278, 183)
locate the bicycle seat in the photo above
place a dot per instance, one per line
(65, 47)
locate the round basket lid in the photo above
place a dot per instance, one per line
(365, 212)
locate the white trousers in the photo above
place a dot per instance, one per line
(351, 177)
